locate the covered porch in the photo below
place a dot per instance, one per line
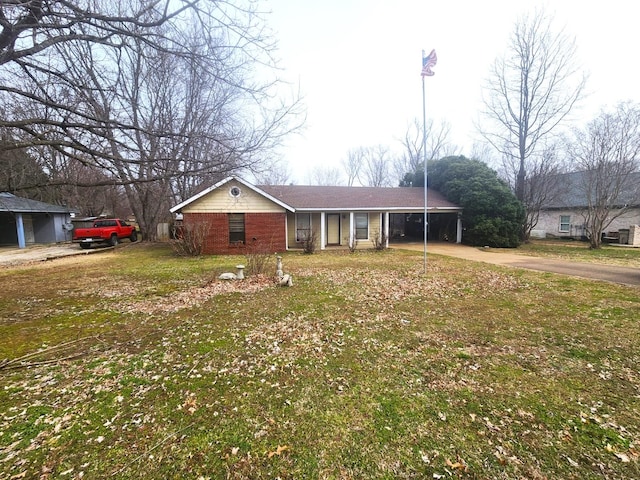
(356, 229)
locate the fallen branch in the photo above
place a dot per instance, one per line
(44, 362)
(23, 361)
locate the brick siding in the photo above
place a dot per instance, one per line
(264, 232)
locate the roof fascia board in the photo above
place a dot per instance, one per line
(379, 209)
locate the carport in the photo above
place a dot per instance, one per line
(24, 221)
(442, 226)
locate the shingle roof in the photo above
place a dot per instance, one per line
(13, 204)
(308, 197)
(574, 194)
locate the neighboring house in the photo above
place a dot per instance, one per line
(239, 216)
(24, 221)
(565, 215)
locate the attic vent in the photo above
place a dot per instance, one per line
(234, 192)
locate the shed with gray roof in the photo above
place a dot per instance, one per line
(24, 221)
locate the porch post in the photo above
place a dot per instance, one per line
(386, 229)
(323, 235)
(286, 231)
(20, 229)
(459, 229)
(351, 230)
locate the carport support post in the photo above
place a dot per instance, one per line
(386, 229)
(351, 230)
(20, 228)
(459, 229)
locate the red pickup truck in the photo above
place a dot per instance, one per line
(105, 230)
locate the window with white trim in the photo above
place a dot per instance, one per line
(303, 226)
(362, 226)
(565, 223)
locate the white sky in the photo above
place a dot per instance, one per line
(358, 64)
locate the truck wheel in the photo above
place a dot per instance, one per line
(85, 245)
(134, 236)
(113, 241)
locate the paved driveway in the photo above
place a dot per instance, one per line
(609, 273)
(10, 256)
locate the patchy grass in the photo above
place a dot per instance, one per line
(366, 368)
(580, 251)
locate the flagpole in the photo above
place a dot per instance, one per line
(427, 63)
(424, 157)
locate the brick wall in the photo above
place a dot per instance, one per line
(264, 232)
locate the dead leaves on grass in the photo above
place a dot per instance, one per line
(195, 296)
(266, 356)
(278, 451)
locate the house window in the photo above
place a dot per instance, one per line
(236, 228)
(362, 226)
(303, 226)
(565, 225)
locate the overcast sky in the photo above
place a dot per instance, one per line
(358, 64)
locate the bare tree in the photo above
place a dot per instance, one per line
(277, 173)
(353, 164)
(375, 170)
(530, 91)
(324, 176)
(608, 152)
(543, 186)
(20, 171)
(29, 28)
(484, 152)
(438, 146)
(158, 96)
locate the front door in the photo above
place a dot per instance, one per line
(333, 229)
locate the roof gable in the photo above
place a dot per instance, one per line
(220, 184)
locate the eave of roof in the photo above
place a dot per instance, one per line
(14, 204)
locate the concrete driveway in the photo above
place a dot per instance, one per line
(608, 273)
(12, 256)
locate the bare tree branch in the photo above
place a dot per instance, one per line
(608, 153)
(156, 98)
(531, 90)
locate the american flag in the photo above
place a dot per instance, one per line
(428, 62)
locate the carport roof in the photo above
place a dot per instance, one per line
(13, 204)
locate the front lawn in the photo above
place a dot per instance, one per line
(572, 250)
(137, 364)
